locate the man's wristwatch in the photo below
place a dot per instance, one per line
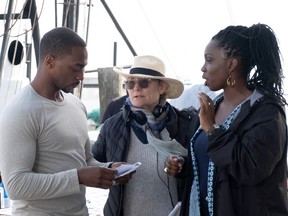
(212, 129)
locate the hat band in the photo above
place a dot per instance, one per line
(145, 71)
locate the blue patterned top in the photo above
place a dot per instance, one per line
(194, 207)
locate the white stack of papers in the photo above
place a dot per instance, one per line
(124, 169)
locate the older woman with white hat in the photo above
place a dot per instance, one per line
(146, 130)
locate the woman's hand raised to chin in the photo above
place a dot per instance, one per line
(207, 112)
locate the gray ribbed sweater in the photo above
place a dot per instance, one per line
(147, 193)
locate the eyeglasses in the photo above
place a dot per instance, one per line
(143, 83)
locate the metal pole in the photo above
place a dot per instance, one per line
(119, 28)
(6, 36)
(28, 57)
(88, 21)
(115, 54)
(76, 12)
(36, 31)
(56, 15)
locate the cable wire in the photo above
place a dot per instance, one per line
(157, 38)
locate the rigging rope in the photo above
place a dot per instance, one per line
(157, 38)
(12, 73)
(228, 3)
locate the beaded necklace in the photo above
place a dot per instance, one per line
(211, 168)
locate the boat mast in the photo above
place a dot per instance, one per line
(119, 28)
(29, 12)
(6, 35)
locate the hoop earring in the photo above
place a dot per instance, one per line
(229, 80)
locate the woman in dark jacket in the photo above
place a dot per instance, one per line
(237, 159)
(146, 130)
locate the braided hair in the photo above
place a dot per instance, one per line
(257, 49)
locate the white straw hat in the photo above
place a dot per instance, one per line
(152, 67)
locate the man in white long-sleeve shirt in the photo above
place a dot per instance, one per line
(44, 149)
